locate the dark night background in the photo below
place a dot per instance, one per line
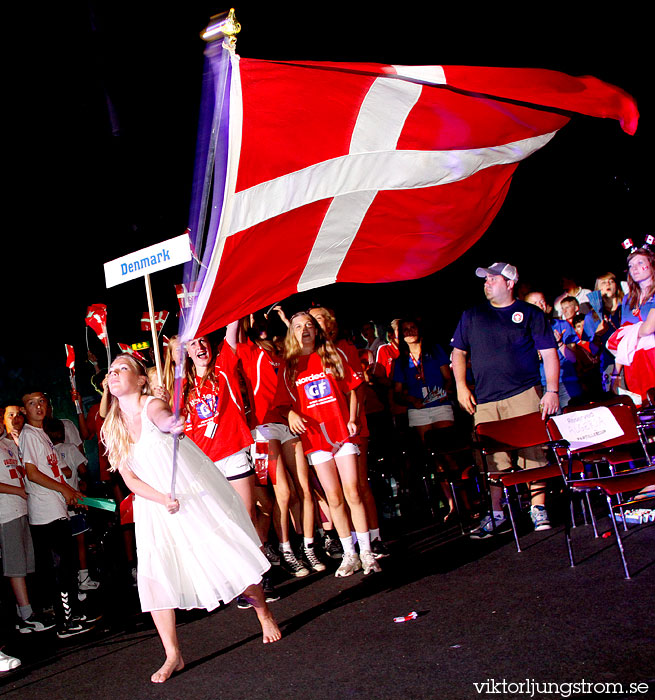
(104, 126)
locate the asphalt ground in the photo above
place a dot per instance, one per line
(489, 619)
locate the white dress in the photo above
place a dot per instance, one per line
(205, 553)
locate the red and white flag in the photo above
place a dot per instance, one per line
(350, 172)
(160, 320)
(131, 351)
(186, 294)
(70, 357)
(96, 319)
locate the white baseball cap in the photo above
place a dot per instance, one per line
(505, 269)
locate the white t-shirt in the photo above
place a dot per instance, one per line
(43, 504)
(69, 456)
(71, 433)
(12, 474)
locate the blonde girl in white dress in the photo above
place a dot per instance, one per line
(196, 550)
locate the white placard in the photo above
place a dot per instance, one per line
(591, 427)
(160, 256)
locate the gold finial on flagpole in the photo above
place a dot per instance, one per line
(222, 26)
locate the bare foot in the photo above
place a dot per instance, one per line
(169, 667)
(271, 632)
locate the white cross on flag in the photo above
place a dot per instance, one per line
(186, 294)
(343, 172)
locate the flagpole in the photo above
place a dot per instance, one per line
(153, 329)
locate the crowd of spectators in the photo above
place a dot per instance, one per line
(320, 431)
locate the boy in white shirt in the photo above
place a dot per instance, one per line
(49, 497)
(15, 539)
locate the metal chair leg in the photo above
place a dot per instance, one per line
(511, 517)
(619, 541)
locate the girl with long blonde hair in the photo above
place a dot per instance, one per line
(195, 550)
(319, 391)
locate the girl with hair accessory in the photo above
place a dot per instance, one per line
(638, 308)
(193, 551)
(317, 391)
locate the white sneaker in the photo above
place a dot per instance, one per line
(8, 663)
(539, 517)
(85, 582)
(369, 562)
(350, 563)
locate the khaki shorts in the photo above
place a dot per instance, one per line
(526, 402)
(16, 547)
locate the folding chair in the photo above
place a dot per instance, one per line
(615, 484)
(510, 435)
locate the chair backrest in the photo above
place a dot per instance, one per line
(624, 415)
(512, 433)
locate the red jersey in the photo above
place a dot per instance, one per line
(384, 363)
(320, 399)
(261, 369)
(350, 355)
(215, 418)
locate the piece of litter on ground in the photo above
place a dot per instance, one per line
(455, 646)
(412, 616)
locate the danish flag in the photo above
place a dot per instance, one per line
(70, 357)
(360, 172)
(186, 294)
(160, 320)
(96, 319)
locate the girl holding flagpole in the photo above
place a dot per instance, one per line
(196, 550)
(317, 392)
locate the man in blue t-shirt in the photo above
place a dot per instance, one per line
(501, 338)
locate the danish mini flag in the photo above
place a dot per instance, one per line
(368, 172)
(130, 351)
(186, 294)
(70, 357)
(160, 320)
(96, 319)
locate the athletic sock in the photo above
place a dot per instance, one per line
(309, 542)
(348, 545)
(24, 611)
(286, 547)
(353, 534)
(364, 540)
(375, 534)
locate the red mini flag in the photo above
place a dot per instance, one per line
(130, 351)
(160, 320)
(350, 172)
(70, 357)
(186, 294)
(96, 319)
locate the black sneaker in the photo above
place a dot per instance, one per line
(379, 549)
(309, 555)
(243, 603)
(332, 547)
(70, 629)
(33, 624)
(270, 594)
(292, 565)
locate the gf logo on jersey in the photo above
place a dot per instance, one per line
(517, 317)
(317, 389)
